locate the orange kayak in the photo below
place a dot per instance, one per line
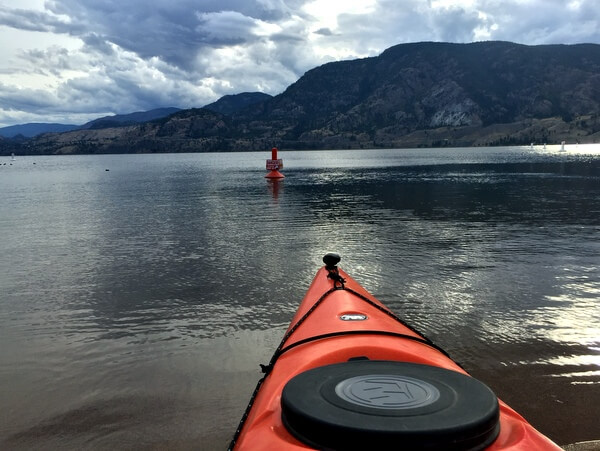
(350, 374)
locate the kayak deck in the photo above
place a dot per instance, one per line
(339, 321)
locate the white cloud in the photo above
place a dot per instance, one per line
(325, 13)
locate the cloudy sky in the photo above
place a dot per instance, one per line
(71, 61)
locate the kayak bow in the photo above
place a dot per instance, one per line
(350, 374)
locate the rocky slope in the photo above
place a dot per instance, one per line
(422, 94)
(231, 104)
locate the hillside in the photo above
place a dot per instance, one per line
(119, 120)
(412, 95)
(454, 92)
(33, 129)
(231, 104)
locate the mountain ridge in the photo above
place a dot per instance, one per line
(119, 120)
(233, 103)
(228, 104)
(411, 95)
(31, 129)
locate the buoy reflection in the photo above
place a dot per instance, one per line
(274, 186)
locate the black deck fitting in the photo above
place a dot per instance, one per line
(331, 260)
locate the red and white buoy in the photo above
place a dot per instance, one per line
(273, 165)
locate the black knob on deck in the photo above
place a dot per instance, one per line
(331, 260)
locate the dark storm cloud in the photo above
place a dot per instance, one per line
(174, 31)
(93, 41)
(23, 19)
(324, 32)
(225, 28)
(138, 55)
(124, 55)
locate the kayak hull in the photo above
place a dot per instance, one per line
(341, 322)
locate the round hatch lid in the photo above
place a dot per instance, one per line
(376, 404)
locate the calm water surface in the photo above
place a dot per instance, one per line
(139, 293)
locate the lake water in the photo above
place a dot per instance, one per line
(139, 293)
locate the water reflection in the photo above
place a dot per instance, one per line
(274, 186)
(172, 270)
